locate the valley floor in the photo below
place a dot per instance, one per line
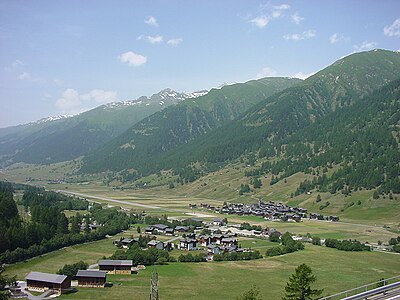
(335, 270)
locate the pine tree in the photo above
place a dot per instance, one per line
(252, 294)
(75, 228)
(299, 285)
(87, 222)
(62, 224)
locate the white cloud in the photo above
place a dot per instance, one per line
(132, 59)
(334, 38)
(17, 63)
(24, 75)
(151, 21)
(71, 102)
(157, 39)
(266, 72)
(100, 96)
(296, 18)
(260, 21)
(302, 75)
(282, 7)
(278, 10)
(392, 30)
(174, 42)
(300, 36)
(365, 46)
(276, 14)
(58, 82)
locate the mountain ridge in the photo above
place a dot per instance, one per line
(274, 119)
(165, 130)
(35, 142)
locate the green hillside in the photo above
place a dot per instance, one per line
(165, 130)
(340, 127)
(69, 138)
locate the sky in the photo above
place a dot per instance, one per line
(64, 57)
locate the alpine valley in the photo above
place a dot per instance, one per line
(220, 193)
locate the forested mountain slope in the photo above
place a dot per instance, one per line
(308, 127)
(345, 83)
(65, 138)
(165, 130)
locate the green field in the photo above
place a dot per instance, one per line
(366, 220)
(335, 270)
(215, 188)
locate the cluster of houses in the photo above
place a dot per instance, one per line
(268, 210)
(59, 284)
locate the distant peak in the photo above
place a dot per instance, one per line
(49, 119)
(225, 84)
(163, 97)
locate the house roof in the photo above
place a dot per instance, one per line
(127, 240)
(153, 243)
(91, 273)
(185, 228)
(110, 262)
(46, 277)
(160, 226)
(188, 240)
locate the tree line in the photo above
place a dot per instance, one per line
(48, 228)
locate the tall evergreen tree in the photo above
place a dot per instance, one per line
(299, 285)
(75, 228)
(62, 224)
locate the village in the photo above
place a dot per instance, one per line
(209, 238)
(270, 211)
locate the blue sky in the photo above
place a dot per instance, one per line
(62, 57)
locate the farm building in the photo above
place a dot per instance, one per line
(87, 278)
(116, 266)
(41, 282)
(188, 244)
(156, 244)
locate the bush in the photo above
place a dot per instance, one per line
(346, 245)
(276, 251)
(71, 270)
(394, 241)
(316, 241)
(233, 256)
(162, 261)
(192, 258)
(274, 237)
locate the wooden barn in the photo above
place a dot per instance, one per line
(116, 266)
(89, 278)
(41, 282)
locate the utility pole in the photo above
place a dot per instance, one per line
(154, 286)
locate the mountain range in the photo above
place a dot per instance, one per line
(63, 138)
(342, 121)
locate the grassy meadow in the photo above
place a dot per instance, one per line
(335, 270)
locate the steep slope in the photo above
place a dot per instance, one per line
(270, 128)
(62, 138)
(165, 130)
(345, 83)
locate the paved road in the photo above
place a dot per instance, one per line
(112, 200)
(392, 295)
